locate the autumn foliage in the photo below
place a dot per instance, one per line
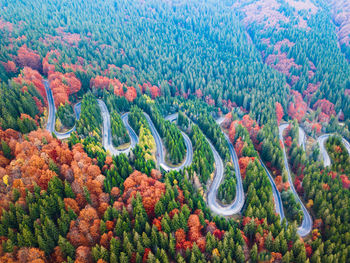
(150, 190)
(28, 58)
(243, 164)
(9, 66)
(51, 56)
(118, 88)
(32, 158)
(30, 76)
(311, 89)
(326, 107)
(279, 112)
(298, 108)
(250, 124)
(63, 85)
(85, 230)
(152, 89)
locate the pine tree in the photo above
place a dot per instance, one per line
(68, 190)
(123, 258)
(6, 150)
(66, 247)
(254, 254)
(43, 245)
(159, 208)
(146, 241)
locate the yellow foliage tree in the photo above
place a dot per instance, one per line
(58, 124)
(5, 179)
(310, 203)
(216, 252)
(147, 143)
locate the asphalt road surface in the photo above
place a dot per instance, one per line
(52, 114)
(160, 147)
(107, 133)
(276, 194)
(321, 142)
(305, 228)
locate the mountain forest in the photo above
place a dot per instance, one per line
(174, 131)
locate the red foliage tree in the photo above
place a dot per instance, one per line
(9, 66)
(100, 82)
(243, 164)
(156, 222)
(310, 91)
(63, 85)
(28, 58)
(325, 187)
(32, 77)
(297, 109)
(31, 255)
(180, 236)
(279, 183)
(85, 230)
(201, 243)
(194, 228)
(155, 91)
(345, 181)
(279, 112)
(317, 127)
(232, 132)
(118, 87)
(240, 144)
(51, 56)
(326, 107)
(308, 250)
(150, 190)
(83, 254)
(131, 94)
(199, 93)
(145, 254)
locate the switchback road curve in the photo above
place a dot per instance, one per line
(106, 133)
(240, 192)
(160, 147)
(236, 206)
(276, 194)
(321, 142)
(305, 228)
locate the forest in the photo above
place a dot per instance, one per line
(82, 177)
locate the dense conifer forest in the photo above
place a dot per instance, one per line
(119, 119)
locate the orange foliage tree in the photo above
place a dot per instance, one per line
(150, 190)
(51, 56)
(28, 58)
(85, 231)
(63, 85)
(279, 112)
(297, 109)
(9, 66)
(30, 76)
(243, 164)
(326, 107)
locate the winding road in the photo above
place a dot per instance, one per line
(305, 228)
(213, 203)
(236, 206)
(321, 142)
(276, 194)
(302, 138)
(240, 193)
(52, 114)
(160, 147)
(107, 133)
